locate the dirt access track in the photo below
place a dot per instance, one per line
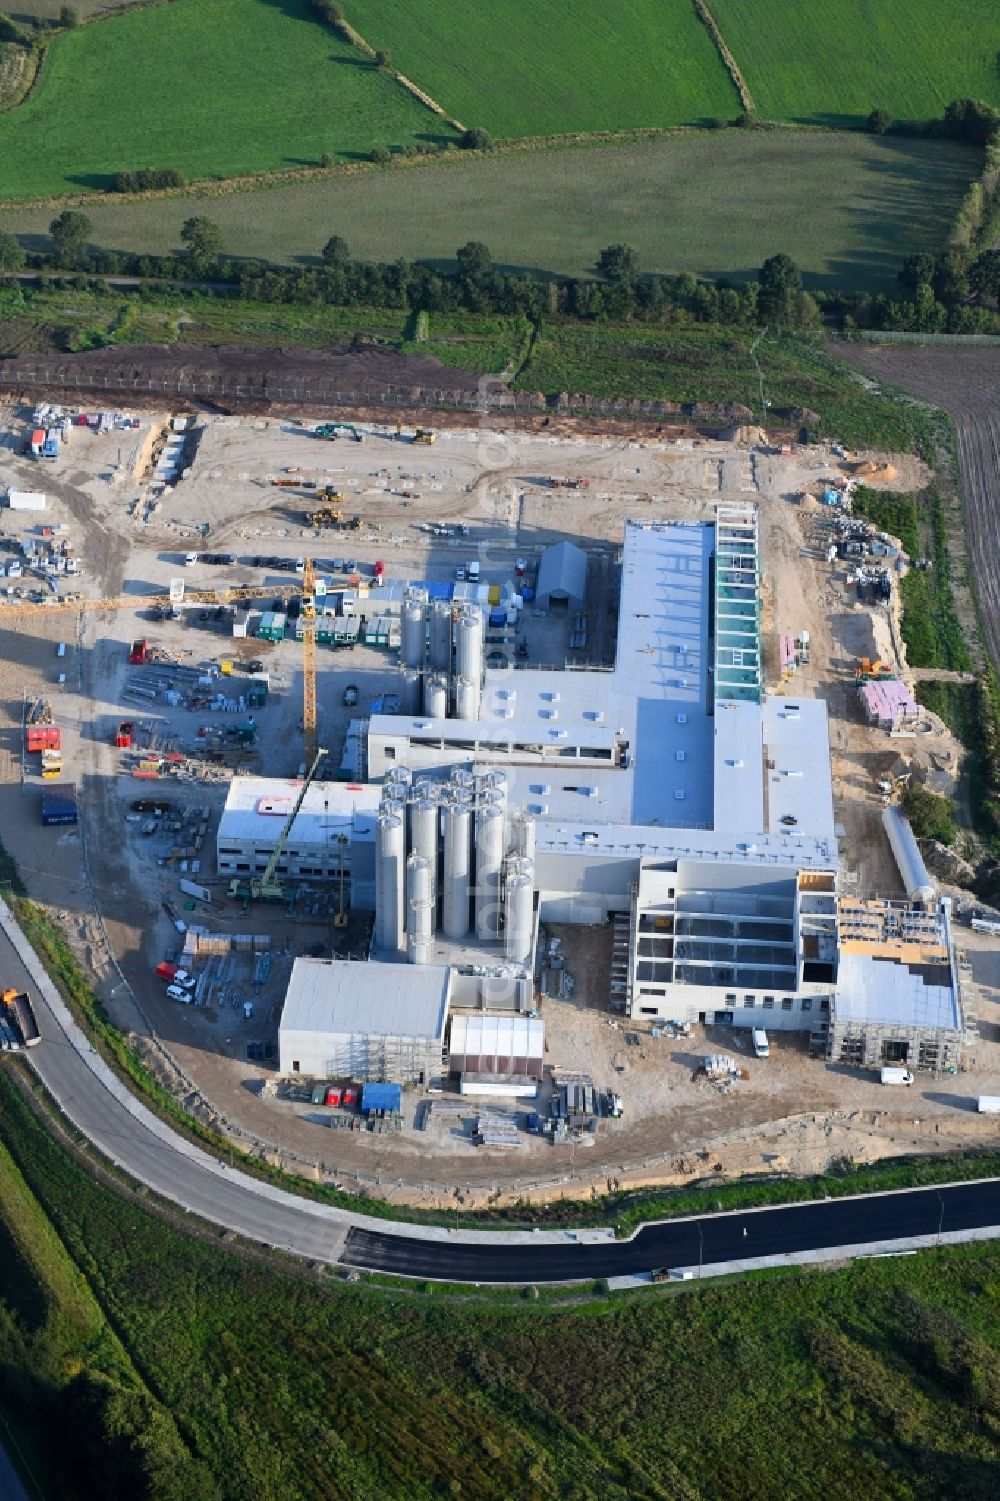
(965, 382)
(365, 379)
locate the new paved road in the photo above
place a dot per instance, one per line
(714, 1240)
(128, 1133)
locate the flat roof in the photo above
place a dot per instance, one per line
(256, 809)
(895, 994)
(339, 996)
(799, 777)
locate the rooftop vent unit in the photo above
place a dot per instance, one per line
(552, 696)
(679, 794)
(736, 761)
(682, 719)
(559, 734)
(550, 713)
(541, 788)
(680, 755)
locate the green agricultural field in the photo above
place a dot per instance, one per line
(549, 68)
(833, 63)
(217, 88)
(846, 207)
(881, 1380)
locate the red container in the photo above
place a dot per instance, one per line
(123, 739)
(333, 1096)
(43, 737)
(349, 1097)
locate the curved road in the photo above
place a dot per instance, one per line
(139, 1142)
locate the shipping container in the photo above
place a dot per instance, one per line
(59, 805)
(38, 441)
(39, 737)
(26, 500)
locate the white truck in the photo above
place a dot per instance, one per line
(761, 1046)
(988, 1104)
(472, 572)
(896, 1076)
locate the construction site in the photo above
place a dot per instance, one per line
(287, 714)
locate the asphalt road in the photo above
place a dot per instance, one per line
(712, 1240)
(150, 1151)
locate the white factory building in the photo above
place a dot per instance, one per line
(672, 792)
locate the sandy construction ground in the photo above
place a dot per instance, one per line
(106, 881)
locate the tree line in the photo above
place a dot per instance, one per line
(953, 292)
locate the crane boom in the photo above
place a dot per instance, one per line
(267, 886)
(143, 601)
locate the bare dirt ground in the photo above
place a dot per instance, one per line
(965, 383)
(793, 1113)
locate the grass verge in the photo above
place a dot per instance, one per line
(882, 1378)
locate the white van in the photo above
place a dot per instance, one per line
(761, 1046)
(896, 1076)
(190, 559)
(473, 572)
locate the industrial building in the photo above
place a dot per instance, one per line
(345, 1020)
(673, 794)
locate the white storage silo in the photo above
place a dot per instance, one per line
(413, 617)
(489, 858)
(519, 914)
(436, 695)
(410, 689)
(456, 869)
(469, 645)
(390, 929)
(424, 835)
(468, 697)
(419, 910)
(523, 834)
(440, 635)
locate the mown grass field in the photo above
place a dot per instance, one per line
(834, 63)
(550, 68)
(881, 1380)
(846, 207)
(218, 88)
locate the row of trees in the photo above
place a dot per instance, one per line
(953, 292)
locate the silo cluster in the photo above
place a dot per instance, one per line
(450, 860)
(441, 657)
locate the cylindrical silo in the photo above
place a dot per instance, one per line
(436, 695)
(523, 834)
(424, 835)
(468, 697)
(489, 858)
(918, 883)
(390, 928)
(440, 635)
(412, 627)
(469, 645)
(419, 910)
(519, 916)
(410, 689)
(456, 869)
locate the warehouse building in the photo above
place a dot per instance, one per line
(344, 1020)
(562, 577)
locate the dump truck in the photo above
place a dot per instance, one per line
(17, 1008)
(138, 653)
(424, 435)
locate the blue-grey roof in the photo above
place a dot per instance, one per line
(563, 569)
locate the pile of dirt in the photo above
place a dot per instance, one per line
(243, 372)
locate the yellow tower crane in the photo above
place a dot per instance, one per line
(308, 617)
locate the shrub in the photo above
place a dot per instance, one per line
(379, 154)
(477, 139)
(146, 179)
(878, 122)
(930, 815)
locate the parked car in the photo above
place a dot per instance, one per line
(178, 993)
(350, 695)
